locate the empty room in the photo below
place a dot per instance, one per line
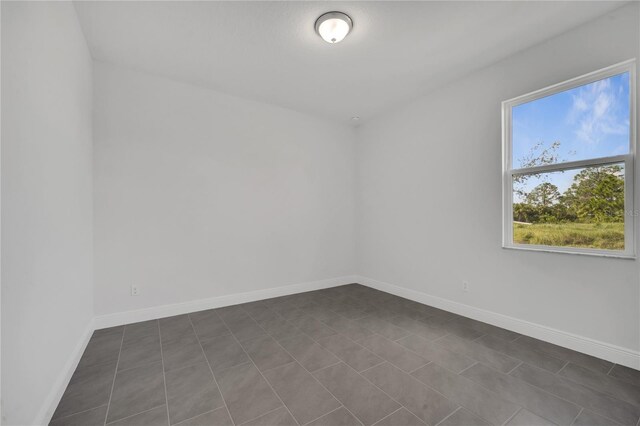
(301, 213)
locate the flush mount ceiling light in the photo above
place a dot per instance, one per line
(333, 27)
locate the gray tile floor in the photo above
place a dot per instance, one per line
(347, 355)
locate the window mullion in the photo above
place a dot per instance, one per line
(569, 165)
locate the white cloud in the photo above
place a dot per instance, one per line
(596, 112)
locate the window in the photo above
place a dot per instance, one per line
(568, 162)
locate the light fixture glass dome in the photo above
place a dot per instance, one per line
(333, 27)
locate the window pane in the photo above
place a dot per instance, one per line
(572, 208)
(589, 121)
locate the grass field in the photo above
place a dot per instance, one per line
(587, 235)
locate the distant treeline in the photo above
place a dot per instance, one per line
(595, 196)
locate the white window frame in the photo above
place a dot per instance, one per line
(628, 159)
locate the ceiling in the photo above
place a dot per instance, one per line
(268, 51)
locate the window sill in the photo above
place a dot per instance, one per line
(572, 250)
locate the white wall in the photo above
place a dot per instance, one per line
(429, 197)
(200, 194)
(47, 301)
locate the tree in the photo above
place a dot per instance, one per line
(544, 195)
(597, 194)
(523, 212)
(538, 155)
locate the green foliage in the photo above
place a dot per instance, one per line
(556, 213)
(544, 195)
(595, 196)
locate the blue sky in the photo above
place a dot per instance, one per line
(589, 121)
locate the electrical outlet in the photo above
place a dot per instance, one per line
(465, 286)
(134, 290)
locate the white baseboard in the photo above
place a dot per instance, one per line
(53, 399)
(127, 317)
(609, 352)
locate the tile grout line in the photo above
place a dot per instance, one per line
(257, 417)
(133, 415)
(321, 368)
(164, 374)
(198, 415)
(187, 365)
(516, 338)
(272, 368)
(79, 412)
(437, 338)
(256, 367)
(564, 399)
(557, 373)
(516, 358)
(374, 366)
(543, 351)
(208, 339)
(143, 364)
(410, 332)
(416, 369)
(437, 344)
(452, 413)
(577, 415)
(514, 414)
(477, 338)
(465, 369)
(390, 414)
(233, 366)
(510, 371)
(106, 415)
(209, 365)
(610, 370)
(326, 414)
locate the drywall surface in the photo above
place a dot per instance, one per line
(47, 288)
(429, 197)
(200, 194)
